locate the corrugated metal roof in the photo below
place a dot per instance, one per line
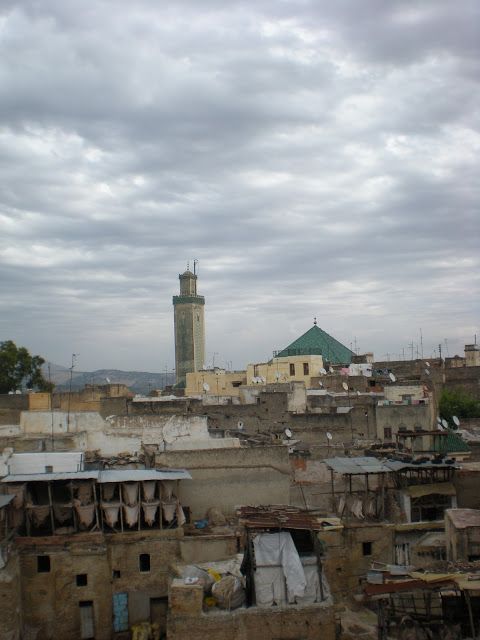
(357, 466)
(48, 477)
(4, 500)
(285, 517)
(109, 475)
(125, 475)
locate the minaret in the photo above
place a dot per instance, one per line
(189, 328)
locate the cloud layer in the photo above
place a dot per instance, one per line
(317, 158)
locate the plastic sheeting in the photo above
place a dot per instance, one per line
(270, 587)
(277, 549)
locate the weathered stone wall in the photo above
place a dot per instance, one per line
(10, 599)
(464, 378)
(51, 600)
(10, 408)
(186, 620)
(409, 416)
(226, 478)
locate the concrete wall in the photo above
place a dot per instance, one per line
(231, 477)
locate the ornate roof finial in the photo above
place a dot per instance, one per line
(315, 321)
(188, 265)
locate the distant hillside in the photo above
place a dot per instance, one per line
(137, 381)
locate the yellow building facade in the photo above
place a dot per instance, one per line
(214, 382)
(287, 369)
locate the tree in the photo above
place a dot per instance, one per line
(457, 402)
(18, 368)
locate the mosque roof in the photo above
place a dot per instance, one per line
(316, 341)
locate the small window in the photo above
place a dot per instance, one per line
(116, 574)
(43, 564)
(144, 562)
(81, 579)
(292, 369)
(305, 368)
(387, 433)
(367, 548)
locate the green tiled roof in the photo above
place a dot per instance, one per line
(452, 443)
(316, 341)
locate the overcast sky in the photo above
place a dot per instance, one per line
(318, 158)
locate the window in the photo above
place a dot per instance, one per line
(43, 564)
(292, 369)
(305, 368)
(387, 433)
(116, 574)
(81, 579)
(144, 562)
(367, 548)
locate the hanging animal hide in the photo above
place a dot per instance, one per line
(150, 511)
(130, 493)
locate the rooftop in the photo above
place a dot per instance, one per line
(316, 341)
(463, 518)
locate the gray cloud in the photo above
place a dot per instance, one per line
(319, 159)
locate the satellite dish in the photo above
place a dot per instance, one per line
(427, 371)
(329, 435)
(278, 375)
(288, 433)
(320, 384)
(263, 379)
(206, 386)
(108, 380)
(439, 420)
(456, 421)
(445, 424)
(440, 427)
(345, 386)
(331, 370)
(240, 424)
(427, 364)
(392, 377)
(323, 371)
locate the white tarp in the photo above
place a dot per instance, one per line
(277, 549)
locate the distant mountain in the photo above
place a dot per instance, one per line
(136, 381)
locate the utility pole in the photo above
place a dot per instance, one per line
(74, 355)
